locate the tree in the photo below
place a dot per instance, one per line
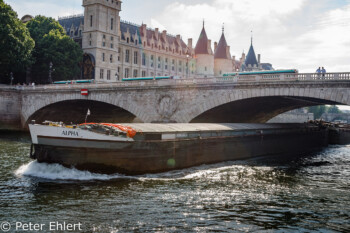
(333, 109)
(317, 110)
(16, 45)
(53, 45)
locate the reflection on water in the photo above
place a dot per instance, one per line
(267, 194)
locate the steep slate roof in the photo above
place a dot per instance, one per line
(151, 34)
(67, 23)
(202, 43)
(221, 51)
(133, 29)
(251, 57)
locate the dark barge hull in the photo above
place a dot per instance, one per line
(153, 156)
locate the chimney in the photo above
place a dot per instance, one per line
(215, 45)
(209, 45)
(189, 44)
(164, 34)
(234, 58)
(259, 56)
(156, 33)
(228, 52)
(178, 38)
(143, 29)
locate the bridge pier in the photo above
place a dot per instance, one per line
(10, 108)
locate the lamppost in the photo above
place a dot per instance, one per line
(11, 78)
(50, 71)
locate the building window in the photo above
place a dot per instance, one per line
(111, 59)
(135, 42)
(112, 21)
(180, 66)
(143, 73)
(152, 60)
(159, 62)
(143, 59)
(91, 20)
(118, 72)
(126, 73)
(173, 65)
(112, 46)
(90, 35)
(108, 75)
(135, 57)
(166, 64)
(127, 40)
(101, 73)
(135, 73)
(103, 44)
(90, 42)
(103, 56)
(111, 38)
(104, 36)
(127, 56)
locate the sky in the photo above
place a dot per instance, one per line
(300, 34)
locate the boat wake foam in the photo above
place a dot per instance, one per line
(59, 172)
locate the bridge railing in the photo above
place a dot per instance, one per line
(298, 77)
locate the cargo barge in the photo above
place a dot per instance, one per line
(151, 148)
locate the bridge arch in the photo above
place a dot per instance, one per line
(103, 107)
(260, 105)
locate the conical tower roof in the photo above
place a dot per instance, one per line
(251, 57)
(222, 51)
(202, 43)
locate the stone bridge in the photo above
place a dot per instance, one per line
(217, 99)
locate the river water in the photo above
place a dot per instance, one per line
(270, 194)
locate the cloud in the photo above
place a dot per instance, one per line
(50, 8)
(289, 34)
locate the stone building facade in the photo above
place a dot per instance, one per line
(116, 49)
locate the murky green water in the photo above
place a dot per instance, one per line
(309, 194)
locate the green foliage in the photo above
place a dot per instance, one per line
(334, 109)
(53, 45)
(16, 45)
(319, 110)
